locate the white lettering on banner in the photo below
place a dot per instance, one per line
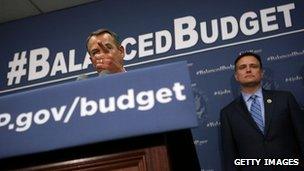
(146, 42)
(86, 62)
(159, 37)
(286, 11)
(105, 109)
(38, 65)
(85, 105)
(57, 114)
(163, 43)
(254, 24)
(24, 121)
(42, 116)
(187, 33)
(145, 100)
(72, 66)
(125, 43)
(142, 101)
(4, 119)
(126, 101)
(225, 28)
(214, 35)
(225, 23)
(59, 65)
(163, 95)
(17, 69)
(267, 18)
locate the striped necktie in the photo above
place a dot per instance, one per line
(256, 112)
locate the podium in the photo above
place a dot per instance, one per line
(139, 120)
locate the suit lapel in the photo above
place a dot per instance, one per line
(268, 105)
(243, 111)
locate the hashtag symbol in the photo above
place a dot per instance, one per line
(17, 69)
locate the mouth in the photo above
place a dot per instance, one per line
(249, 76)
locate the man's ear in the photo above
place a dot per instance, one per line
(122, 51)
(235, 76)
(122, 54)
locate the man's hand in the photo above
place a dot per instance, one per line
(107, 60)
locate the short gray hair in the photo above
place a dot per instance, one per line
(103, 31)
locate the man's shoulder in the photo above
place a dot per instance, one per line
(231, 105)
(283, 93)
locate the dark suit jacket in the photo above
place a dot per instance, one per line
(284, 130)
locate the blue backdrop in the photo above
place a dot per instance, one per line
(50, 49)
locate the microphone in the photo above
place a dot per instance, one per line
(82, 77)
(104, 73)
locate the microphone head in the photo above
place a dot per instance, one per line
(82, 77)
(104, 73)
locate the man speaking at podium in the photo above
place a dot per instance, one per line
(261, 129)
(106, 52)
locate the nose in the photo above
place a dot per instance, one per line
(248, 69)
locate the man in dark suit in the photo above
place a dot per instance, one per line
(261, 124)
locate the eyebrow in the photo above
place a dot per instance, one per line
(93, 50)
(109, 44)
(251, 64)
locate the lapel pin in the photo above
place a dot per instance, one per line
(269, 101)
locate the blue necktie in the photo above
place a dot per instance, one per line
(256, 112)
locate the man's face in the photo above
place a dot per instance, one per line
(248, 71)
(103, 47)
